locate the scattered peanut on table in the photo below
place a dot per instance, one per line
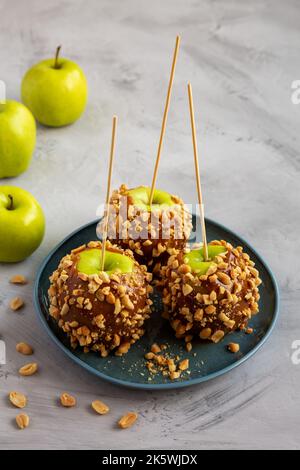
(18, 279)
(127, 420)
(28, 369)
(16, 303)
(24, 348)
(67, 400)
(100, 407)
(22, 420)
(18, 399)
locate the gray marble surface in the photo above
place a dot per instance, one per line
(241, 57)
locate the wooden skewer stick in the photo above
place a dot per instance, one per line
(198, 180)
(106, 213)
(164, 121)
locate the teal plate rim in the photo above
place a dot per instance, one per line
(167, 385)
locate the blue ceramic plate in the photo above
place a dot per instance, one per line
(207, 360)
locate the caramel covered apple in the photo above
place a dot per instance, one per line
(208, 299)
(100, 310)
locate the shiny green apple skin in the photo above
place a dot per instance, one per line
(56, 96)
(141, 196)
(22, 227)
(17, 138)
(90, 262)
(195, 258)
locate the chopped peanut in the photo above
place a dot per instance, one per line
(16, 303)
(18, 399)
(233, 347)
(184, 364)
(100, 407)
(127, 420)
(18, 279)
(67, 400)
(22, 420)
(24, 348)
(155, 348)
(28, 369)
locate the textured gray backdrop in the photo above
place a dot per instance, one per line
(241, 57)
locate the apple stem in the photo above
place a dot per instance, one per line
(56, 57)
(11, 203)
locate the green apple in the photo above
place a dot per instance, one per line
(17, 138)
(90, 262)
(195, 258)
(141, 195)
(22, 224)
(55, 90)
